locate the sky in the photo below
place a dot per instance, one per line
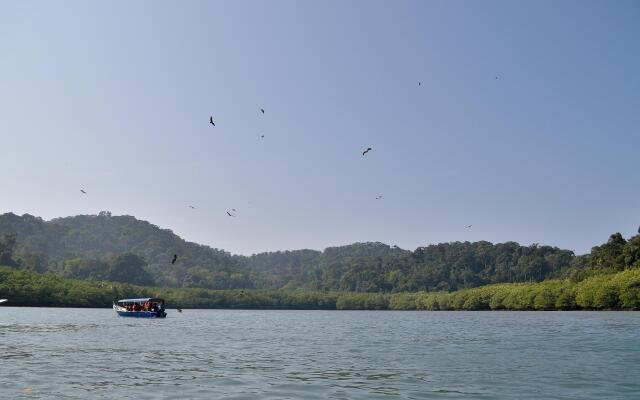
(525, 124)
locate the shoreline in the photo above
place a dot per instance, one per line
(611, 292)
(330, 309)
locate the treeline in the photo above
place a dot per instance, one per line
(45, 246)
(27, 288)
(124, 249)
(610, 291)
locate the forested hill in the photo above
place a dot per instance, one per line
(49, 245)
(125, 249)
(89, 246)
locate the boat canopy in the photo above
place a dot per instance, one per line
(143, 300)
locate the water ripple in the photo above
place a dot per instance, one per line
(87, 354)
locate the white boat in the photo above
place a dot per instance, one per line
(3, 301)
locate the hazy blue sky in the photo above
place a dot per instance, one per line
(115, 97)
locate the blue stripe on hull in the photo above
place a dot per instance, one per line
(140, 314)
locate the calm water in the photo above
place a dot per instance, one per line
(205, 354)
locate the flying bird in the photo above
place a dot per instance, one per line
(262, 136)
(262, 110)
(211, 121)
(231, 215)
(366, 151)
(468, 226)
(192, 207)
(419, 83)
(379, 197)
(234, 210)
(83, 192)
(175, 257)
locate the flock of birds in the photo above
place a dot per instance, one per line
(232, 212)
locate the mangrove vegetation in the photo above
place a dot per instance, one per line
(91, 260)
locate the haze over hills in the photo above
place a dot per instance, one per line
(125, 249)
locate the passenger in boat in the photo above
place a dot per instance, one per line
(155, 307)
(137, 307)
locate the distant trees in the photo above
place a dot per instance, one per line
(203, 277)
(124, 249)
(631, 253)
(612, 291)
(91, 237)
(609, 256)
(7, 246)
(128, 268)
(609, 291)
(616, 255)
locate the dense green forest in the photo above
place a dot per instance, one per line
(123, 250)
(607, 291)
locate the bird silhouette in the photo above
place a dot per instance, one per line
(234, 210)
(211, 121)
(419, 83)
(231, 215)
(379, 197)
(366, 151)
(175, 257)
(192, 207)
(262, 136)
(468, 226)
(262, 110)
(83, 192)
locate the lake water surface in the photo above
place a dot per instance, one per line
(208, 354)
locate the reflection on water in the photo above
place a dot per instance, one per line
(34, 328)
(8, 352)
(81, 354)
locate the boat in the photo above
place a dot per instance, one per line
(3, 301)
(134, 308)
